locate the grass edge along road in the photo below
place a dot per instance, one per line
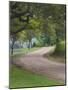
(23, 51)
(24, 78)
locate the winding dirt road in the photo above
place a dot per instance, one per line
(36, 63)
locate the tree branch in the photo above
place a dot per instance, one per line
(19, 30)
(17, 14)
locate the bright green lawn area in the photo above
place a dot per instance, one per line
(24, 78)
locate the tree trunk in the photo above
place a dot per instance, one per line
(13, 41)
(57, 37)
(12, 50)
(30, 44)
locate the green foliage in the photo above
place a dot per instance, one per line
(43, 15)
(44, 22)
(39, 44)
(23, 78)
(60, 49)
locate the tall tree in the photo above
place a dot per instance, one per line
(37, 19)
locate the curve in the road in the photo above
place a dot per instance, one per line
(36, 63)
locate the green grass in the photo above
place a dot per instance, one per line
(23, 51)
(56, 58)
(23, 78)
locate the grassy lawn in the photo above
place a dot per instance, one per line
(23, 51)
(23, 78)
